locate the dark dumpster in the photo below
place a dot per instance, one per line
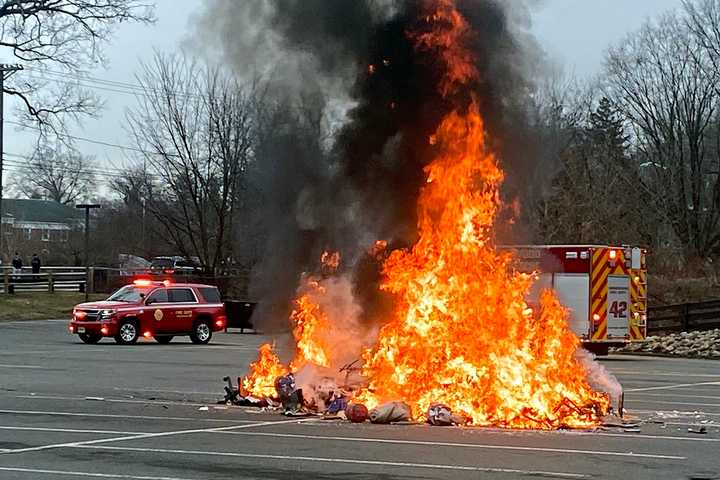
(239, 314)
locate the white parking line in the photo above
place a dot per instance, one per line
(665, 402)
(84, 474)
(674, 395)
(160, 390)
(668, 387)
(679, 413)
(114, 400)
(35, 367)
(458, 445)
(145, 435)
(71, 430)
(664, 374)
(124, 417)
(346, 461)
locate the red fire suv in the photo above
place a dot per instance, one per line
(161, 310)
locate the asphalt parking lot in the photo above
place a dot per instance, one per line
(69, 410)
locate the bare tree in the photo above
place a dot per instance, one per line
(196, 126)
(66, 35)
(663, 82)
(56, 173)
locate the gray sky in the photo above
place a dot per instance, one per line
(574, 33)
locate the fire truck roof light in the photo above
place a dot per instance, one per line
(167, 283)
(142, 283)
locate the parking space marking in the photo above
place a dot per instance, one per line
(666, 402)
(160, 390)
(70, 430)
(344, 461)
(459, 445)
(676, 412)
(34, 367)
(664, 374)
(675, 395)
(146, 435)
(668, 387)
(114, 400)
(84, 474)
(124, 417)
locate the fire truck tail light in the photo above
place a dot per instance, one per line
(596, 317)
(613, 254)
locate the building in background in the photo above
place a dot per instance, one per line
(39, 226)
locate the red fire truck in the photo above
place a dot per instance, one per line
(605, 288)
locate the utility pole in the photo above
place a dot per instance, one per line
(5, 72)
(87, 207)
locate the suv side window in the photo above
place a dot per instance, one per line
(158, 296)
(181, 295)
(211, 295)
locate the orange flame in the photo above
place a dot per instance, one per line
(260, 382)
(310, 322)
(462, 334)
(330, 260)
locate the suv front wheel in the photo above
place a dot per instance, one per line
(128, 333)
(201, 333)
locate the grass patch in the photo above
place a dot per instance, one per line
(41, 306)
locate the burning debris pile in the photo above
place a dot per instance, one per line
(461, 345)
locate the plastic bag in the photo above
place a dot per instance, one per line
(390, 412)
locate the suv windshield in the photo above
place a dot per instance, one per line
(129, 293)
(161, 263)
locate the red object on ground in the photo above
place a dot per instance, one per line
(357, 412)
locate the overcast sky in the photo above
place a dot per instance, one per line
(574, 33)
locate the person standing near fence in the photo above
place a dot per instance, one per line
(35, 263)
(17, 263)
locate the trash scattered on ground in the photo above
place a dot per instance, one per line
(357, 413)
(203, 409)
(96, 399)
(441, 415)
(390, 412)
(700, 430)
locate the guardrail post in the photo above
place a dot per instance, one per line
(684, 316)
(91, 280)
(51, 282)
(6, 282)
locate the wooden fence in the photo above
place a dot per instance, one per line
(683, 317)
(49, 279)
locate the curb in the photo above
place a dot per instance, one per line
(664, 355)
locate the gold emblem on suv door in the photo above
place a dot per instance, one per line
(158, 314)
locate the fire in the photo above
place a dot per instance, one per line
(462, 333)
(310, 321)
(260, 382)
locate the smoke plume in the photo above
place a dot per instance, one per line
(341, 155)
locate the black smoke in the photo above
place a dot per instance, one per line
(362, 184)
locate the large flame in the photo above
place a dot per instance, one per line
(462, 333)
(260, 382)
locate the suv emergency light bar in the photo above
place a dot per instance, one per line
(143, 282)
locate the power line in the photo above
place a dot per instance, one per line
(109, 85)
(88, 140)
